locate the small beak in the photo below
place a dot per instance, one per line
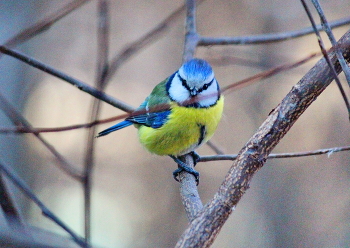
(193, 92)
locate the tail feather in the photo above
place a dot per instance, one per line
(116, 127)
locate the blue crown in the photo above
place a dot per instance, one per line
(197, 69)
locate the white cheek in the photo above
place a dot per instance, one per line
(210, 96)
(178, 92)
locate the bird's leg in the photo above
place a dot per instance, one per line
(184, 167)
(196, 157)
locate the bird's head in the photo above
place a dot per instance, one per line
(194, 84)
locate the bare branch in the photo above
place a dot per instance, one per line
(325, 54)
(191, 36)
(266, 38)
(45, 211)
(7, 204)
(44, 24)
(17, 119)
(103, 28)
(131, 49)
(266, 74)
(327, 28)
(22, 130)
(75, 82)
(215, 147)
(188, 191)
(203, 230)
(328, 151)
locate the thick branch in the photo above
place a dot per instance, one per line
(203, 230)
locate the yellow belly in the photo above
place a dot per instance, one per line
(182, 132)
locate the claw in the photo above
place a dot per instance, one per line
(184, 167)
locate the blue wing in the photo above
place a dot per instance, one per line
(141, 117)
(153, 120)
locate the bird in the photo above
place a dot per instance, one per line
(181, 114)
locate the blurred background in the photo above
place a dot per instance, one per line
(297, 202)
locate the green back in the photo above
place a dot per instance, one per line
(158, 96)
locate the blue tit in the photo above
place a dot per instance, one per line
(181, 114)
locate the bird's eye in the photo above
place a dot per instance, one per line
(183, 81)
(205, 86)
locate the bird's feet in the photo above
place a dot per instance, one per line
(196, 157)
(184, 167)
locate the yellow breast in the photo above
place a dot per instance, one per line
(185, 130)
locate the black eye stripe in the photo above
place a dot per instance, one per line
(183, 81)
(206, 86)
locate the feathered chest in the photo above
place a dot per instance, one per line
(184, 130)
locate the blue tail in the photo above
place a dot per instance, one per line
(116, 127)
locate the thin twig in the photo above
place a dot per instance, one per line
(75, 82)
(17, 119)
(215, 147)
(266, 38)
(191, 36)
(266, 74)
(23, 130)
(102, 69)
(44, 24)
(327, 28)
(20, 129)
(136, 46)
(325, 54)
(232, 157)
(45, 211)
(229, 60)
(103, 28)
